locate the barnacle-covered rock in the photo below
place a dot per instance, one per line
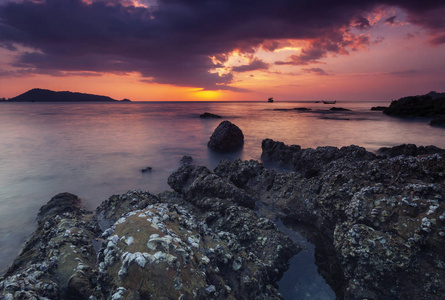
(178, 252)
(57, 256)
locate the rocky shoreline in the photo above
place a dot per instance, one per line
(213, 237)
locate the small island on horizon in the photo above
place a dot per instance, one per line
(43, 95)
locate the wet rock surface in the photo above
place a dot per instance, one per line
(383, 218)
(182, 245)
(386, 217)
(59, 259)
(227, 137)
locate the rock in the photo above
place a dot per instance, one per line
(438, 121)
(339, 109)
(146, 169)
(302, 109)
(310, 161)
(207, 115)
(386, 217)
(379, 108)
(180, 249)
(197, 183)
(227, 137)
(432, 104)
(186, 160)
(56, 254)
(409, 150)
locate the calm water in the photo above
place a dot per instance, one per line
(96, 150)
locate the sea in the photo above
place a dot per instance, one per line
(95, 150)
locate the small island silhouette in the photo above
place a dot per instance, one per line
(42, 95)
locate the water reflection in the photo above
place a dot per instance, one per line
(313, 273)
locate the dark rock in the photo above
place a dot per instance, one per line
(56, 254)
(409, 150)
(302, 108)
(339, 109)
(386, 218)
(379, 108)
(186, 160)
(146, 169)
(207, 115)
(226, 137)
(110, 210)
(429, 105)
(198, 182)
(438, 121)
(310, 161)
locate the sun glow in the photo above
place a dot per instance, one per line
(204, 95)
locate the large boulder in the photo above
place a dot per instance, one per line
(226, 137)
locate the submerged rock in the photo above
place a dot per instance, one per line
(208, 115)
(227, 137)
(339, 109)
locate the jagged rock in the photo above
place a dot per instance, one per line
(226, 137)
(409, 150)
(310, 161)
(386, 218)
(198, 182)
(186, 160)
(60, 248)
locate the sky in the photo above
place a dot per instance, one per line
(202, 50)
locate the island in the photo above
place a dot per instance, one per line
(43, 95)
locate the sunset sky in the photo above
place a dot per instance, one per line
(165, 50)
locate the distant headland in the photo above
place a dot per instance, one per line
(42, 95)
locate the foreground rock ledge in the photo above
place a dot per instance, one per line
(157, 247)
(384, 216)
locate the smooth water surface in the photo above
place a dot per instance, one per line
(95, 150)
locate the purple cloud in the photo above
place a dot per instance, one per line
(256, 64)
(172, 42)
(317, 71)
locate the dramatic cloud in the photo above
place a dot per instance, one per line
(172, 41)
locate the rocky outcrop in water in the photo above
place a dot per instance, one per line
(208, 115)
(429, 105)
(227, 137)
(384, 218)
(58, 260)
(153, 247)
(310, 162)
